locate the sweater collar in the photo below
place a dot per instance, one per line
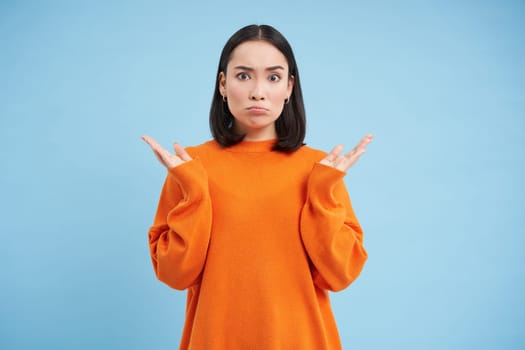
(253, 146)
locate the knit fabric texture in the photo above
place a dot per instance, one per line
(257, 238)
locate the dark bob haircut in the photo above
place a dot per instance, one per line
(291, 124)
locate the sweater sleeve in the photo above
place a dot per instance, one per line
(330, 231)
(179, 237)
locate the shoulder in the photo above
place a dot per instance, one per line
(310, 153)
(203, 149)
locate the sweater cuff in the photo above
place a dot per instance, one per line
(191, 178)
(322, 183)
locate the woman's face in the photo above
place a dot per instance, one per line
(256, 86)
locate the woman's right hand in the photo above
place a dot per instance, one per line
(166, 158)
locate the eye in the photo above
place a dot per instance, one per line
(274, 78)
(243, 76)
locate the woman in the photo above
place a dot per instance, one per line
(254, 224)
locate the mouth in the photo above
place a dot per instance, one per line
(257, 109)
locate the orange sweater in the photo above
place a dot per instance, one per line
(258, 238)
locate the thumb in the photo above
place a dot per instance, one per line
(334, 153)
(181, 152)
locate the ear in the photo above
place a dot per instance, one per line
(222, 83)
(289, 88)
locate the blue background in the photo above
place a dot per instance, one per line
(439, 192)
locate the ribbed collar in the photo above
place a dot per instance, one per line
(253, 146)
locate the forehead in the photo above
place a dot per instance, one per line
(257, 54)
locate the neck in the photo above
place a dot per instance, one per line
(262, 134)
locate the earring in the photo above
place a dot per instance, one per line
(286, 101)
(224, 99)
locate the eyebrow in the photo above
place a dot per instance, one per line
(251, 69)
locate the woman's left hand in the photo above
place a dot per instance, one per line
(343, 163)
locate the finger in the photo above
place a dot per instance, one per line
(351, 157)
(181, 152)
(146, 138)
(153, 144)
(365, 140)
(358, 150)
(361, 147)
(334, 153)
(162, 155)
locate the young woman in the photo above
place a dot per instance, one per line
(256, 226)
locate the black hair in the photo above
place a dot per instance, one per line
(291, 124)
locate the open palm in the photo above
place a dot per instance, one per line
(345, 162)
(169, 160)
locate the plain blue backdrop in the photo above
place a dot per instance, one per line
(439, 193)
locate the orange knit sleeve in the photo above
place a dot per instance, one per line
(330, 231)
(179, 237)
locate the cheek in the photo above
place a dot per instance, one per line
(234, 89)
(281, 89)
(236, 94)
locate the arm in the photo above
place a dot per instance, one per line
(179, 237)
(330, 231)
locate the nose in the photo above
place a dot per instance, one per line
(257, 93)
